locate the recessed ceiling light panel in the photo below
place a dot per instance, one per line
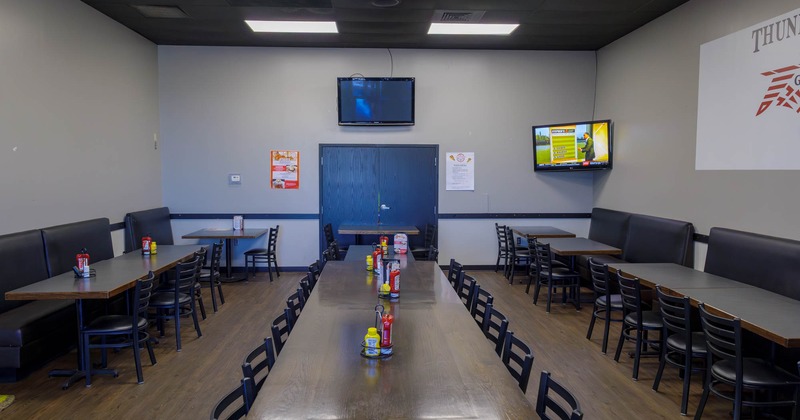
(471, 28)
(285, 26)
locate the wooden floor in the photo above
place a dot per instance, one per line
(186, 384)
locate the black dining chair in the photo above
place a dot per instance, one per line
(210, 277)
(295, 303)
(259, 360)
(515, 255)
(266, 255)
(566, 407)
(637, 323)
(236, 403)
(606, 304)
(178, 302)
(500, 230)
(495, 327)
(553, 277)
(480, 301)
(422, 252)
(680, 347)
(131, 328)
(728, 369)
(281, 328)
(453, 271)
(314, 271)
(466, 289)
(518, 358)
(305, 286)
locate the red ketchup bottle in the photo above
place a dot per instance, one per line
(82, 259)
(394, 281)
(376, 257)
(386, 334)
(146, 244)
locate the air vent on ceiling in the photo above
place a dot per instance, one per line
(458, 16)
(161, 12)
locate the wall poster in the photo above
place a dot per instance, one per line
(460, 171)
(284, 169)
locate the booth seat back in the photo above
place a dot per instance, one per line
(22, 262)
(609, 227)
(154, 222)
(763, 261)
(62, 243)
(659, 240)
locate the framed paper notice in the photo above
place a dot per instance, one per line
(460, 171)
(284, 169)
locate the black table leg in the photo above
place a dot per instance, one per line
(229, 263)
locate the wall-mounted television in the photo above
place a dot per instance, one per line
(576, 146)
(375, 101)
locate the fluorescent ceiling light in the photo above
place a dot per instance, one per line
(293, 26)
(471, 28)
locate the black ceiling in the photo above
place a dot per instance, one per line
(544, 24)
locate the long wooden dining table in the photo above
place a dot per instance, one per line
(111, 277)
(762, 312)
(442, 366)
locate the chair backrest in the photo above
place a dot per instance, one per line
(281, 328)
(501, 236)
(723, 337)
(599, 273)
(433, 254)
(544, 260)
(305, 287)
(452, 273)
(216, 257)
(201, 260)
(295, 303)
(335, 252)
(481, 299)
(511, 246)
(466, 289)
(141, 297)
(261, 359)
(676, 313)
(327, 255)
(328, 229)
(545, 402)
(631, 292)
(272, 242)
(495, 326)
(518, 358)
(186, 276)
(236, 403)
(534, 267)
(430, 235)
(314, 271)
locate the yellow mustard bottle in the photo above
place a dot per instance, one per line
(369, 263)
(372, 343)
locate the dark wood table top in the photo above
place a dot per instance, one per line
(442, 366)
(580, 246)
(376, 230)
(765, 313)
(541, 232)
(113, 276)
(360, 252)
(672, 276)
(212, 233)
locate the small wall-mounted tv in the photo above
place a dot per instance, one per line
(375, 101)
(577, 146)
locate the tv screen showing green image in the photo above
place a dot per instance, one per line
(577, 146)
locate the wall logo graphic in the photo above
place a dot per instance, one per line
(783, 89)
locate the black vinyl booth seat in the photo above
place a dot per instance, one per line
(155, 223)
(34, 332)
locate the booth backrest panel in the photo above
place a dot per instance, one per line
(609, 226)
(62, 242)
(153, 222)
(767, 262)
(22, 262)
(659, 240)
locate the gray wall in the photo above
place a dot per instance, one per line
(647, 83)
(78, 113)
(222, 110)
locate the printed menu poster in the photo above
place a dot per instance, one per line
(284, 169)
(460, 171)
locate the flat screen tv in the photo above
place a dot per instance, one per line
(376, 101)
(577, 146)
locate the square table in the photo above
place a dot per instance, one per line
(227, 235)
(382, 229)
(111, 278)
(531, 232)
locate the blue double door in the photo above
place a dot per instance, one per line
(367, 184)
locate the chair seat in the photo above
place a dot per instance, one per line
(757, 373)
(650, 320)
(616, 301)
(677, 342)
(256, 251)
(168, 299)
(112, 324)
(563, 272)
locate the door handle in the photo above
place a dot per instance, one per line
(385, 207)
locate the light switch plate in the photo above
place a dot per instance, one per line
(234, 179)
